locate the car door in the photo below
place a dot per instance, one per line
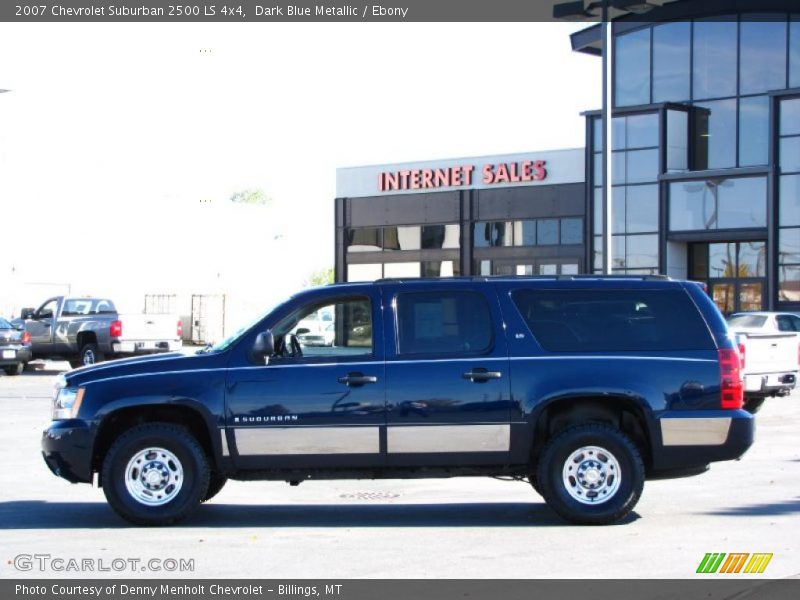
(447, 384)
(315, 404)
(41, 327)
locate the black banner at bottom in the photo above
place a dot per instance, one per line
(400, 589)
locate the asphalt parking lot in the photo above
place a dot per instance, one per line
(458, 528)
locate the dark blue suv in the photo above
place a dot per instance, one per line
(583, 386)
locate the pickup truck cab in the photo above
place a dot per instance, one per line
(87, 330)
(769, 349)
(581, 386)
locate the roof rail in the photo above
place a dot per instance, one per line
(556, 277)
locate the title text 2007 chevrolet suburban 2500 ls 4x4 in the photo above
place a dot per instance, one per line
(584, 386)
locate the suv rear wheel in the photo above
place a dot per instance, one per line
(591, 474)
(155, 474)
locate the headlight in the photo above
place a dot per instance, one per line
(67, 403)
(60, 383)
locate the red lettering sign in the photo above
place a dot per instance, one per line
(461, 175)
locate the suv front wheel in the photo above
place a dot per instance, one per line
(591, 474)
(155, 474)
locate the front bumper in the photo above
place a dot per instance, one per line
(12, 355)
(67, 450)
(690, 439)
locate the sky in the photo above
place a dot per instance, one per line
(121, 144)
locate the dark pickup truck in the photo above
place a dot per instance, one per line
(582, 386)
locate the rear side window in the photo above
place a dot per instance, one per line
(613, 320)
(443, 323)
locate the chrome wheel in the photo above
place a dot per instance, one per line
(591, 475)
(89, 357)
(154, 476)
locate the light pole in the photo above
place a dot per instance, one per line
(584, 10)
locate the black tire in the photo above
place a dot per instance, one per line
(194, 469)
(551, 479)
(89, 355)
(215, 484)
(753, 405)
(13, 370)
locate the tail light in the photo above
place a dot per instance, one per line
(743, 353)
(180, 330)
(730, 373)
(26, 338)
(116, 329)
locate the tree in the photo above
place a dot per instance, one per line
(320, 277)
(251, 196)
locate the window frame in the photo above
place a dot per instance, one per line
(440, 293)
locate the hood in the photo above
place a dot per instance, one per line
(143, 365)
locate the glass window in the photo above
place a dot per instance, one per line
(572, 231)
(402, 269)
(329, 329)
(742, 203)
(547, 232)
(597, 134)
(789, 283)
(641, 251)
(724, 297)
(715, 145)
(718, 204)
(597, 220)
(525, 233)
(714, 69)
(790, 117)
(366, 239)
(484, 267)
(789, 245)
(632, 68)
(751, 296)
(492, 233)
(784, 323)
(440, 236)
(641, 214)
(677, 141)
(402, 238)
(618, 252)
(642, 165)
(641, 131)
(613, 320)
(753, 131)
(762, 54)
(722, 260)
(794, 51)
(618, 163)
(752, 259)
(365, 272)
(671, 62)
(698, 265)
(790, 154)
(443, 323)
(597, 169)
(749, 321)
(441, 268)
(618, 135)
(597, 253)
(617, 210)
(789, 200)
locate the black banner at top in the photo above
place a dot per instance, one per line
(233, 11)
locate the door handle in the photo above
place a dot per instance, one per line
(481, 375)
(355, 379)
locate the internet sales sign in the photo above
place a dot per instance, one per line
(462, 175)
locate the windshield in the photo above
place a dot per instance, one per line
(234, 337)
(5, 324)
(750, 321)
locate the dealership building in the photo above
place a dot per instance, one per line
(705, 163)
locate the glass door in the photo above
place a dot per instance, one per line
(734, 271)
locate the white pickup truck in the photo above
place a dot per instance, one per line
(769, 349)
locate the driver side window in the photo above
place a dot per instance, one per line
(47, 310)
(329, 329)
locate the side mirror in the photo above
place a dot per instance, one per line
(263, 347)
(27, 313)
